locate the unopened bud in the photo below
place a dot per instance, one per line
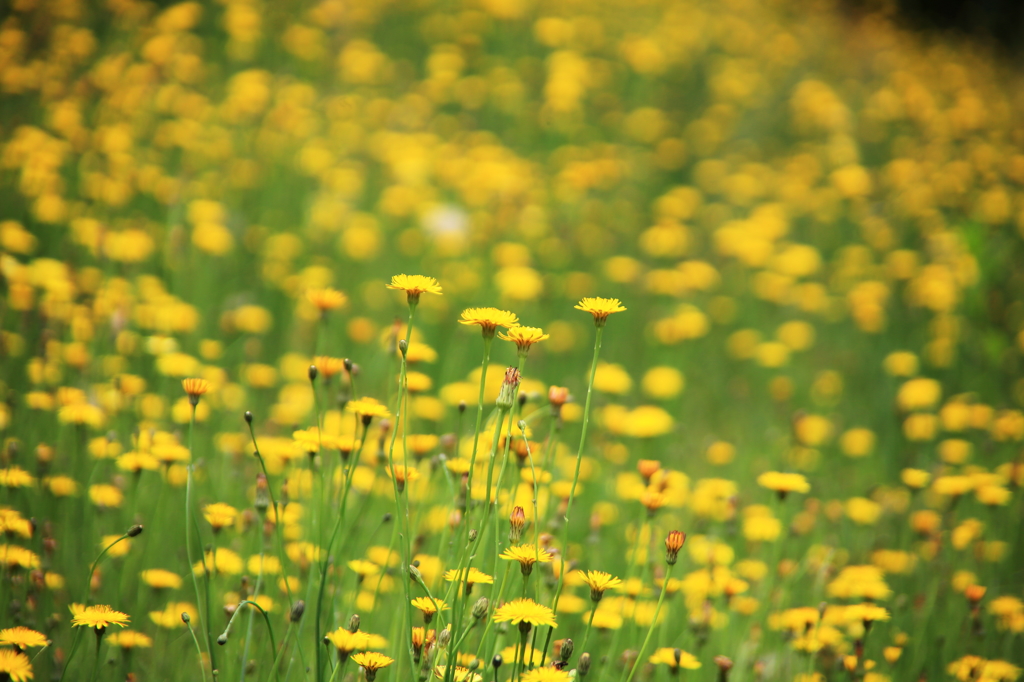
(444, 637)
(403, 347)
(297, 610)
(497, 661)
(313, 372)
(135, 531)
(248, 417)
(262, 501)
(517, 521)
(674, 543)
(565, 653)
(480, 608)
(353, 623)
(462, 406)
(506, 396)
(583, 665)
(348, 364)
(185, 618)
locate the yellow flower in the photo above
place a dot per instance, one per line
(346, 642)
(371, 662)
(367, 408)
(460, 674)
(402, 475)
(220, 515)
(159, 579)
(15, 666)
(675, 658)
(527, 555)
(99, 616)
(600, 308)
(326, 299)
(105, 495)
(170, 617)
(414, 285)
(470, 577)
(524, 337)
(599, 581)
(22, 637)
(489, 319)
(546, 674)
(130, 639)
(428, 607)
(14, 556)
(16, 477)
(524, 612)
(783, 484)
(195, 388)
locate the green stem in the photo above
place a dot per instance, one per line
(654, 623)
(575, 481)
(402, 519)
(189, 521)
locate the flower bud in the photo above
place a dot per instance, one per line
(674, 543)
(297, 610)
(353, 623)
(506, 396)
(517, 521)
(583, 665)
(565, 652)
(480, 608)
(262, 501)
(313, 372)
(134, 531)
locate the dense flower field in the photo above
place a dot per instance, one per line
(499, 340)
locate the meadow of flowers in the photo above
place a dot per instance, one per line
(499, 340)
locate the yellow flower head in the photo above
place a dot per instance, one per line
(428, 607)
(195, 388)
(783, 484)
(489, 319)
(524, 613)
(130, 639)
(675, 658)
(160, 579)
(524, 337)
(15, 665)
(527, 555)
(459, 674)
(326, 299)
(220, 515)
(371, 662)
(99, 616)
(414, 285)
(368, 408)
(546, 674)
(22, 637)
(599, 581)
(346, 641)
(600, 308)
(474, 576)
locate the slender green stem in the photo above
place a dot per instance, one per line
(654, 624)
(575, 480)
(402, 518)
(189, 522)
(326, 555)
(199, 649)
